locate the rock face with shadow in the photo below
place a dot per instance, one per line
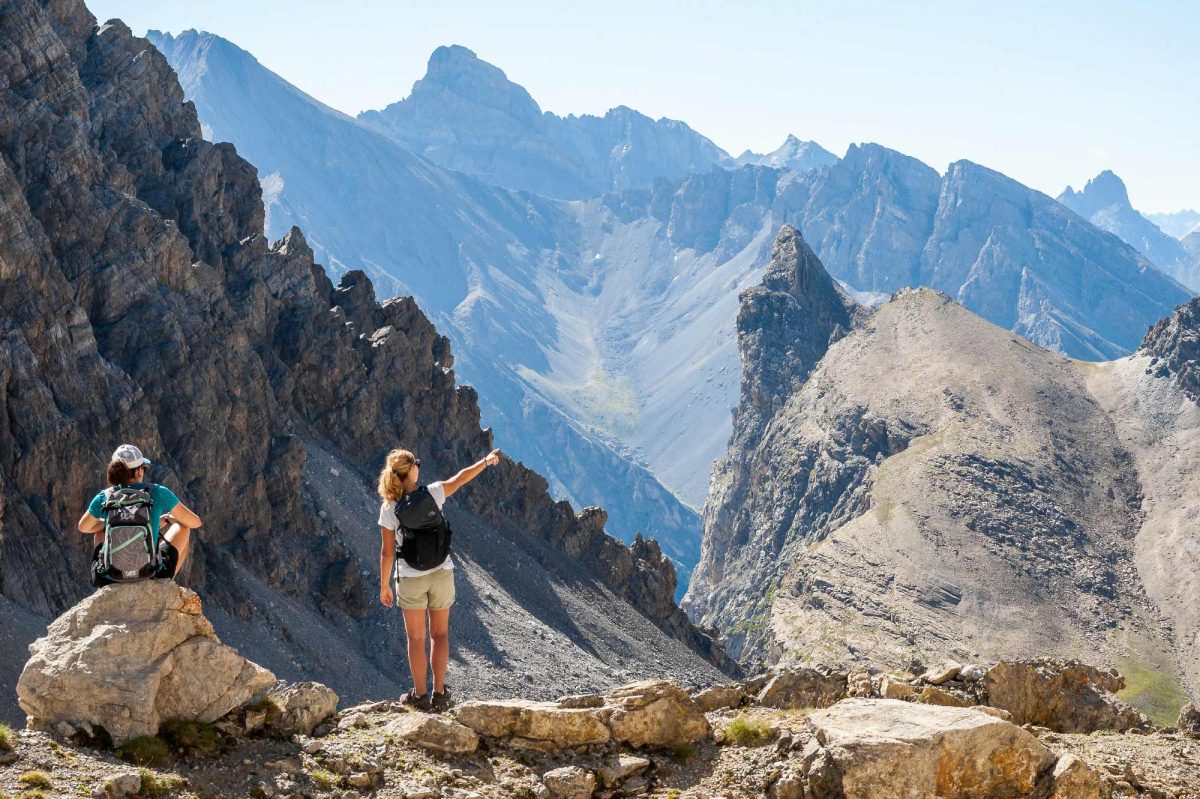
(140, 301)
(913, 483)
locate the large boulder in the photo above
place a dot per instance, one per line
(654, 713)
(887, 747)
(1063, 695)
(803, 687)
(533, 721)
(130, 656)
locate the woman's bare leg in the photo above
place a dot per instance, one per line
(180, 537)
(414, 628)
(439, 635)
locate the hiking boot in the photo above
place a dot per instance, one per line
(441, 700)
(416, 702)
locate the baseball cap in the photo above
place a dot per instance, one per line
(131, 456)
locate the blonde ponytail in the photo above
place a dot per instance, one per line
(395, 474)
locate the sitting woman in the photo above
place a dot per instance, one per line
(424, 571)
(133, 511)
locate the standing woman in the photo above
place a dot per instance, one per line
(424, 572)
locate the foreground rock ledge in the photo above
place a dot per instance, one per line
(131, 656)
(886, 747)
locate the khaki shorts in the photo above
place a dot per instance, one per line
(434, 591)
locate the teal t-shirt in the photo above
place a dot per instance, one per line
(163, 498)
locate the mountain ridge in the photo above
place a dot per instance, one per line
(988, 498)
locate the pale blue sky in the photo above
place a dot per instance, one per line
(1048, 92)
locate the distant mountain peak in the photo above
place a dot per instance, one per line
(1103, 191)
(794, 154)
(466, 115)
(459, 70)
(1104, 202)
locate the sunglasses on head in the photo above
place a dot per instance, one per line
(416, 462)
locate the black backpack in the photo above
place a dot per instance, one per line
(426, 533)
(128, 553)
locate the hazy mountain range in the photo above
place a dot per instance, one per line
(600, 331)
(1177, 223)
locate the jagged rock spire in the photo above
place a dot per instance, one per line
(785, 325)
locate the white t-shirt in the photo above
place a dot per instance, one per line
(387, 518)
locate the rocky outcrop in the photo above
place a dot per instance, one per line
(136, 261)
(653, 713)
(915, 494)
(785, 326)
(798, 688)
(131, 656)
(433, 732)
(297, 708)
(1189, 720)
(1065, 696)
(887, 748)
(1173, 345)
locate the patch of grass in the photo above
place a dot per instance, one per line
(673, 793)
(156, 786)
(34, 793)
(325, 780)
(7, 737)
(748, 732)
(35, 779)
(145, 750)
(192, 738)
(683, 753)
(1157, 694)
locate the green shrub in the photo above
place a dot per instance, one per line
(145, 750)
(748, 732)
(682, 753)
(326, 780)
(155, 786)
(35, 779)
(33, 793)
(192, 738)
(7, 737)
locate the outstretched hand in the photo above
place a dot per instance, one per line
(492, 458)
